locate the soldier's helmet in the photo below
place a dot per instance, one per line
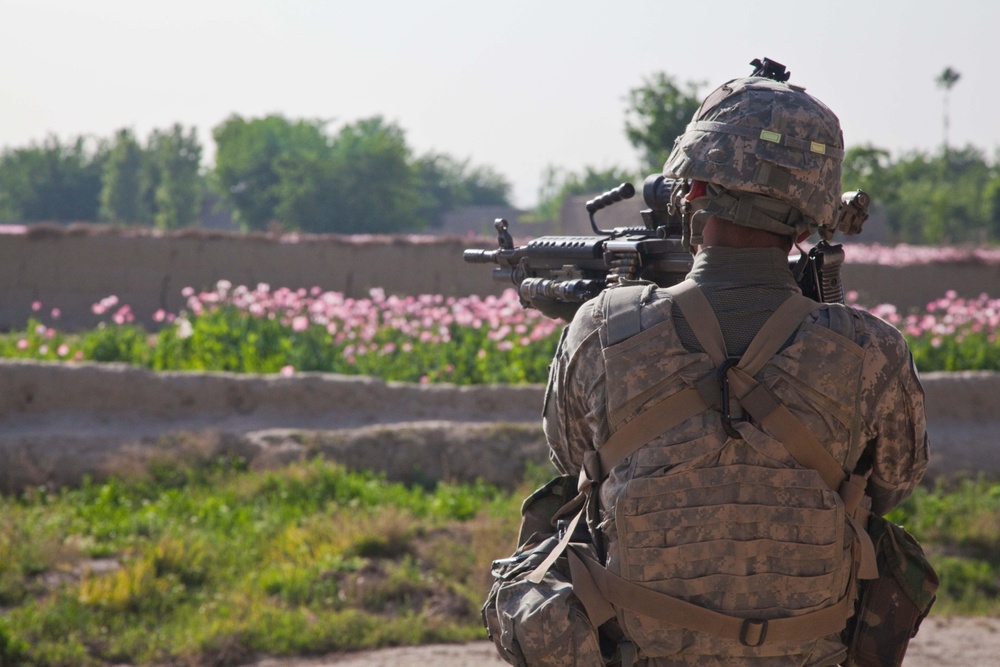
(756, 135)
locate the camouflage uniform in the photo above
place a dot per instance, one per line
(663, 532)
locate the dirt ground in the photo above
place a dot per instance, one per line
(942, 642)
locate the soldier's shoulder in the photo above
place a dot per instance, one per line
(876, 335)
(586, 324)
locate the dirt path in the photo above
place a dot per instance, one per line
(942, 642)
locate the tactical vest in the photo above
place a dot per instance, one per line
(733, 521)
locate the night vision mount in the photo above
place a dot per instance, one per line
(770, 69)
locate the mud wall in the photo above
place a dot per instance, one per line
(74, 267)
(59, 422)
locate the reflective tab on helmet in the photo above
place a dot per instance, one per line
(817, 147)
(767, 135)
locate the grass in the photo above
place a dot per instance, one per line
(211, 563)
(958, 524)
(208, 563)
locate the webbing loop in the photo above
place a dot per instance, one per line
(745, 631)
(722, 375)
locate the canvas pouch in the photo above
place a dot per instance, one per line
(541, 624)
(891, 607)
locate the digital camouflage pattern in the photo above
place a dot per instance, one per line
(543, 624)
(893, 605)
(737, 526)
(756, 135)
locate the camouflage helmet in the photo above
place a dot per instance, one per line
(760, 136)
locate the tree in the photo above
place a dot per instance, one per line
(53, 181)
(657, 113)
(176, 157)
(950, 197)
(361, 180)
(376, 185)
(248, 153)
(445, 184)
(122, 181)
(558, 184)
(160, 184)
(864, 168)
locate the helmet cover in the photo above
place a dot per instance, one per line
(756, 135)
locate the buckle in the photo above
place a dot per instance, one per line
(722, 375)
(745, 630)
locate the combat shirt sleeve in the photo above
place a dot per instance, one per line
(899, 445)
(574, 410)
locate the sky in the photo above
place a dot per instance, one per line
(518, 85)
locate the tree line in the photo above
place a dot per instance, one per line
(363, 177)
(273, 172)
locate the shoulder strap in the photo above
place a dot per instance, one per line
(701, 318)
(778, 329)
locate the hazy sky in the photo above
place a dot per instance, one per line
(516, 85)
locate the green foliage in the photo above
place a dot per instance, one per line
(374, 189)
(212, 560)
(12, 650)
(52, 182)
(447, 184)
(949, 197)
(657, 113)
(970, 351)
(247, 156)
(122, 183)
(177, 188)
(125, 342)
(958, 525)
(558, 184)
(228, 339)
(363, 179)
(116, 181)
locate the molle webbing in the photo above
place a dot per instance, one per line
(601, 591)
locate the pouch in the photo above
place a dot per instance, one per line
(543, 624)
(891, 607)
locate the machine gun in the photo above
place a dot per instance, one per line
(556, 274)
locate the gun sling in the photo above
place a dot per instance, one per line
(597, 588)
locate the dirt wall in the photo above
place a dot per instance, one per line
(73, 268)
(76, 267)
(59, 422)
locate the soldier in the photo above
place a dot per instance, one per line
(749, 447)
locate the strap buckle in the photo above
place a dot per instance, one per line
(745, 631)
(722, 375)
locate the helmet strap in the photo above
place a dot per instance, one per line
(753, 210)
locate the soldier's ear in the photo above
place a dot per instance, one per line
(698, 189)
